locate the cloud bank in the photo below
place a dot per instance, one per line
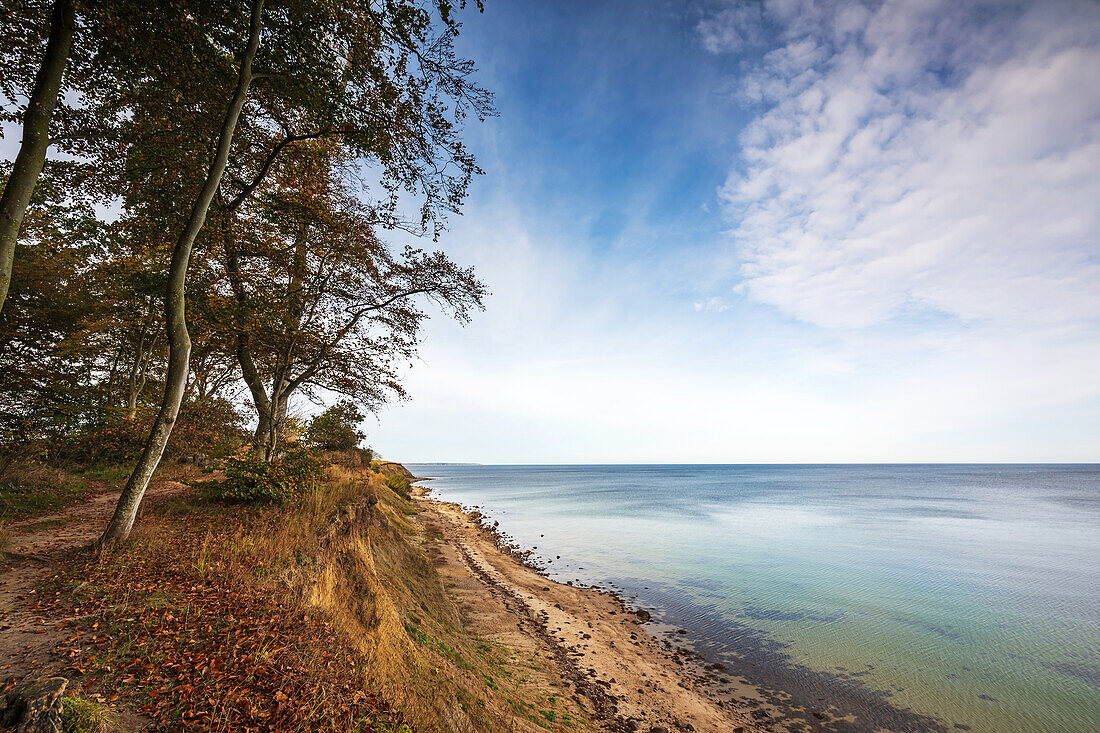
(918, 160)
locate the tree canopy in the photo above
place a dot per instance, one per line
(215, 222)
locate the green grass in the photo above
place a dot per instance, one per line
(110, 472)
(79, 715)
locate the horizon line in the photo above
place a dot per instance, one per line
(773, 463)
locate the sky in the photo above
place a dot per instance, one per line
(780, 231)
(756, 231)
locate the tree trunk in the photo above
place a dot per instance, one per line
(276, 435)
(272, 421)
(32, 150)
(179, 341)
(136, 382)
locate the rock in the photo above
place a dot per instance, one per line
(658, 729)
(633, 725)
(642, 614)
(35, 706)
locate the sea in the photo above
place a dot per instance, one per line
(887, 597)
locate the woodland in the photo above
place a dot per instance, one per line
(218, 209)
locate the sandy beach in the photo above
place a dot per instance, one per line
(603, 655)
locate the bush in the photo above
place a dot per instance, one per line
(116, 440)
(211, 427)
(337, 428)
(400, 484)
(250, 479)
(354, 458)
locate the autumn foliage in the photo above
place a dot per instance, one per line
(191, 645)
(248, 478)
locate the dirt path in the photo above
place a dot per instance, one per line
(27, 639)
(602, 654)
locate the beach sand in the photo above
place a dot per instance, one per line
(594, 648)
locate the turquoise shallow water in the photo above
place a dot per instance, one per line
(913, 597)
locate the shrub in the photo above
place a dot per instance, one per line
(337, 428)
(250, 479)
(116, 440)
(354, 458)
(400, 484)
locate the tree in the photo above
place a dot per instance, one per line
(322, 303)
(53, 348)
(41, 102)
(376, 76)
(179, 342)
(337, 428)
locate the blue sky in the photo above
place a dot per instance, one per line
(773, 231)
(780, 231)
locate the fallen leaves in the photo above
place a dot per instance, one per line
(216, 647)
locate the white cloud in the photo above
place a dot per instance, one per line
(918, 189)
(734, 28)
(923, 157)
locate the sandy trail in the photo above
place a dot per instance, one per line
(37, 546)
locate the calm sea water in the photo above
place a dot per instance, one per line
(914, 597)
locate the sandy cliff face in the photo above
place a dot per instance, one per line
(390, 468)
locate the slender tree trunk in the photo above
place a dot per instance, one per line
(179, 341)
(32, 150)
(255, 383)
(272, 418)
(276, 434)
(108, 390)
(137, 374)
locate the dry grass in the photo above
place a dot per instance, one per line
(352, 550)
(28, 489)
(349, 550)
(80, 715)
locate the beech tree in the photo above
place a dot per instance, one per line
(322, 302)
(382, 78)
(53, 351)
(35, 122)
(188, 112)
(179, 342)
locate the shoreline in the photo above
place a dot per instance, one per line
(759, 685)
(607, 654)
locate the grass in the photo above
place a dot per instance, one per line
(333, 596)
(110, 472)
(31, 489)
(80, 715)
